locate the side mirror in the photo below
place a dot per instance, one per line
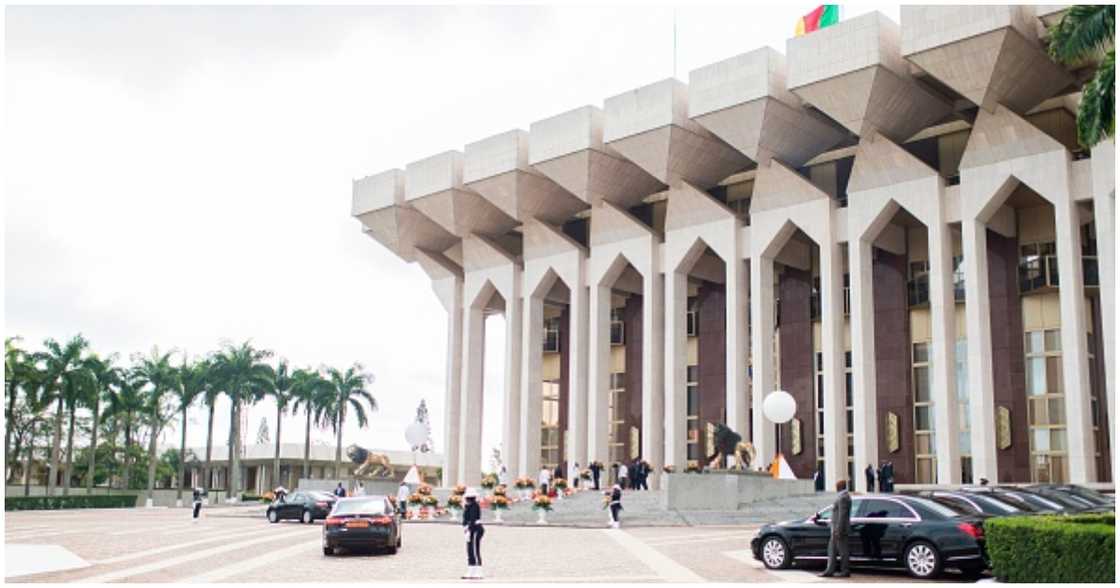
(817, 520)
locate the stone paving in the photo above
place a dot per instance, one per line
(236, 544)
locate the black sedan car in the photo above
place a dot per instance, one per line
(1073, 501)
(980, 504)
(911, 532)
(1023, 499)
(306, 506)
(1089, 494)
(364, 522)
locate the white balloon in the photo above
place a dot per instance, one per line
(416, 434)
(779, 406)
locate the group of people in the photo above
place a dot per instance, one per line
(632, 476)
(884, 474)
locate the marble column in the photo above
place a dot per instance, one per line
(865, 424)
(533, 341)
(762, 353)
(676, 350)
(981, 404)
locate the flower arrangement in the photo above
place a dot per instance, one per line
(668, 469)
(500, 490)
(585, 474)
(455, 502)
(523, 483)
(560, 483)
(542, 502)
(459, 490)
(424, 490)
(415, 499)
(692, 469)
(499, 502)
(430, 501)
(489, 481)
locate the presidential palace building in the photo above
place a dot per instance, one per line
(893, 222)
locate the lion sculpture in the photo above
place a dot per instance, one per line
(729, 442)
(367, 460)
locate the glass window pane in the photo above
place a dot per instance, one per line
(922, 443)
(1034, 342)
(1036, 376)
(1053, 340)
(1041, 439)
(921, 384)
(1057, 439)
(922, 420)
(921, 352)
(925, 471)
(693, 401)
(1057, 408)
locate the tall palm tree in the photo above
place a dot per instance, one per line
(281, 391)
(105, 375)
(76, 396)
(65, 375)
(155, 374)
(16, 365)
(213, 390)
(309, 392)
(244, 376)
(126, 402)
(347, 391)
(1086, 33)
(36, 400)
(193, 382)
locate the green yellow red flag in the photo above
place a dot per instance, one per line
(822, 16)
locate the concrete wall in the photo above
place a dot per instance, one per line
(161, 497)
(730, 491)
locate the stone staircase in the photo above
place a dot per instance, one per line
(643, 509)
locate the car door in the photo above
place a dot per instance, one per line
(293, 509)
(810, 539)
(880, 528)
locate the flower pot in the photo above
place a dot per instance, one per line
(454, 514)
(540, 517)
(497, 515)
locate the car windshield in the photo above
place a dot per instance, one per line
(362, 506)
(935, 507)
(1089, 494)
(1037, 500)
(994, 505)
(322, 495)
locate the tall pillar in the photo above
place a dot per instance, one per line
(981, 402)
(1104, 215)
(832, 350)
(737, 289)
(1075, 352)
(452, 298)
(653, 358)
(944, 381)
(470, 427)
(576, 446)
(865, 423)
(533, 329)
(676, 349)
(762, 352)
(511, 405)
(599, 359)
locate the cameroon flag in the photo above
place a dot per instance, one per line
(822, 16)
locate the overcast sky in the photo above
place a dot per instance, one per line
(178, 176)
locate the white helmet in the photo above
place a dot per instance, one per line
(470, 493)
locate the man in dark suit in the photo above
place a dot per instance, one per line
(869, 473)
(840, 524)
(596, 467)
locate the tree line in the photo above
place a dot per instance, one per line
(46, 389)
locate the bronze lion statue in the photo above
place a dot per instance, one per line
(728, 442)
(367, 460)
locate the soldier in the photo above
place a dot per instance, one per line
(473, 532)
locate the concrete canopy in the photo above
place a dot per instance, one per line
(569, 149)
(434, 186)
(498, 169)
(854, 73)
(989, 54)
(378, 202)
(744, 101)
(650, 126)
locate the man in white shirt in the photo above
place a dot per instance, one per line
(622, 474)
(543, 479)
(402, 498)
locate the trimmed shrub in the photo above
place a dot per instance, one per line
(64, 502)
(1054, 548)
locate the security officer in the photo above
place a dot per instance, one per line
(615, 504)
(840, 525)
(473, 531)
(196, 498)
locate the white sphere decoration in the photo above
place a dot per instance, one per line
(416, 434)
(779, 406)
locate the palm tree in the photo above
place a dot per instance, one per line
(193, 381)
(309, 391)
(213, 390)
(281, 390)
(127, 402)
(65, 375)
(1085, 33)
(36, 400)
(105, 375)
(244, 377)
(155, 373)
(347, 390)
(16, 364)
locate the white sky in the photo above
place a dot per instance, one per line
(178, 176)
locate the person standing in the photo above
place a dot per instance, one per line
(840, 525)
(196, 499)
(869, 473)
(573, 474)
(596, 467)
(402, 498)
(623, 475)
(889, 474)
(882, 471)
(643, 475)
(360, 490)
(615, 504)
(340, 491)
(503, 476)
(473, 532)
(543, 479)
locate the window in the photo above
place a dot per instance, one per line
(1038, 266)
(616, 435)
(550, 423)
(815, 299)
(958, 278)
(618, 327)
(693, 398)
(917, 285)
(692, 318)
(1089, 255)
(924, 442)
(847, 294)
(1046, 414)
(818, 365)
(874, 508)
(552, 335)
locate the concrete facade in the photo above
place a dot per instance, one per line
(892, 221)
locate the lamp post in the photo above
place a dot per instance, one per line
(779, 406)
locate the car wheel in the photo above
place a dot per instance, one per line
(775, 553)
(923, 560)
(273, 517)
(328, 551)
(307, 518)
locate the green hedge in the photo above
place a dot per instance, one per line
(1055, 548)
(61, 502)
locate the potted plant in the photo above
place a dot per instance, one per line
(498, 504)
(489, 482)
(431, 504)
(524, 486)
(415, 500)
(459, 490)
(542, 504)
(455, 506)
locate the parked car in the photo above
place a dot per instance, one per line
(911, 532)
(1087, 493)
(1026, 500)
(1073, 500)
(363, 522)
(973, 503)
(304, 506)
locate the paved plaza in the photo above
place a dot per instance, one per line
(236, 544)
